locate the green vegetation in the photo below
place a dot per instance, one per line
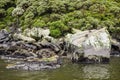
(61, 15)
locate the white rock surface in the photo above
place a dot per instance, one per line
(93, 42)
(36, 32)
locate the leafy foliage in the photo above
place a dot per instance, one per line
(62, 15)
(57, 28)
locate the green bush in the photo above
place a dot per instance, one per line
(55, 33)
(2, 13)
(62, 15)
(2, 25)
(59, 25)
(39, 23)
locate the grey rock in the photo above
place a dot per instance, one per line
(89, 44)
(36, 32)
(32, 66)
(4, 35)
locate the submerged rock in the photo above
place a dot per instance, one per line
(32, 66)
(92, 72)
(36, 64)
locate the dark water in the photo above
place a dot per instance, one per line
(68, 71)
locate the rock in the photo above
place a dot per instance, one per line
(24, 53)
(24, 38)
(4, 36)
(46, 53)
(10, 66)
(34, 48)
(36, 64)
(115, 48)
(52, 45)
(37, 33)
(4, 46)
(98, 44)
(116, 36)
(11, 58)
(93, 44)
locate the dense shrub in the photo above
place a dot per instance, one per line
(58, 29)
(55, 33)
(62, 15)
(39, 23)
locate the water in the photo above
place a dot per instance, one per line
(68, 71)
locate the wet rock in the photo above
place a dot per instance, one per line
(32, 66)
(10, 58)
(34, 48)
(115, 48)
(36, 64)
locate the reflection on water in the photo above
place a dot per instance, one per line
(68, 71)
(96, 72)
(33, 75)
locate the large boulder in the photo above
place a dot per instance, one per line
(92, 44)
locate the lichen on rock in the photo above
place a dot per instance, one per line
(94, 44)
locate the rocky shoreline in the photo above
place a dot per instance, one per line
(27, 54)
(35, 50)
(24, 64)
